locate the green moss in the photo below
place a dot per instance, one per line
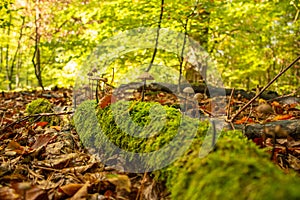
(237, 169)
(138, 127)
(41, 106)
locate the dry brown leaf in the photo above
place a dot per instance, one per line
(82, 192)
(283, 117)
(77, 169)
(14, 146)
(54, 148)
(42, 141)
(244, 120)
(29, 192)
(7, 193)
(57, 128)
(54, 163)
(294, 162)
(36, 193)
(70, 189)
(120, 181)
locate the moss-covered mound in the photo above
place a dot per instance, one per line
(42, 106)
(237, 169)
(144, 133)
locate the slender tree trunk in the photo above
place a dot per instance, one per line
(8, 76)
(157, 35)
(13, 63)
(36, 59)
(1, 58)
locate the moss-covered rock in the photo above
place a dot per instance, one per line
(237, 169)
(41, 106)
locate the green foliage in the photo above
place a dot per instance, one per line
(235, 169)
(245, 45)
(41, 106)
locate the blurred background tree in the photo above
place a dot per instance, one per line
(44, 42)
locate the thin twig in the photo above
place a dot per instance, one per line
(2, 118)
(36, 115)
(268, 85)
(139, 194)
(228, 105)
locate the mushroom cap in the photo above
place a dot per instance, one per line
(188, 90)
(86, 87)
(94, 70)
(99, 79)
(264, 109)
(145, 76)
(198, 96)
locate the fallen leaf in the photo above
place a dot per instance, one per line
(70, 189)
(82, 192)
(244, 120)
(106, 101)
(14, 146)
(57, 128)
(7, 193)
(294, 162)
(41, 141)
(41, 124)
(120, 181)
(282, 117)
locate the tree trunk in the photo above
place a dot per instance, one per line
(36, 59)
(8, 76)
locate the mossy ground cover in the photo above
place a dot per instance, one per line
(235, 169)
(39, 106)
(136, 127)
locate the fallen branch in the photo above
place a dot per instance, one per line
(292, 127)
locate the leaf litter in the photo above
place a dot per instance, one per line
(43, 161)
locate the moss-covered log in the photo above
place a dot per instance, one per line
(236, 169)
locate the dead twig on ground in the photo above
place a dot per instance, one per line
(228, 105)
(35, 115)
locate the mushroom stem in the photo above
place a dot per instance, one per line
(90, 74)
(185, 102)
(144, 77)
(187, 91)
(143, 90)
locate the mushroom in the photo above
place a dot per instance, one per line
(198, 97)
(86, 89)
(144, 77)
(94, 70)
(187, 91)
(264, 109)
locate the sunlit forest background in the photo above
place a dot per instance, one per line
(43, 43)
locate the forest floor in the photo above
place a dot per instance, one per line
(43, 161)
